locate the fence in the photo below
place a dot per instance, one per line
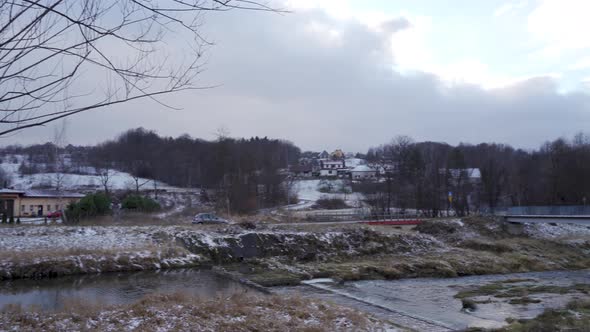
(359, 216)
(573, 210)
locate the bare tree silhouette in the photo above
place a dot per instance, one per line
(50, 50)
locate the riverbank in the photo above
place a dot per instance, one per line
(58, 250)
(441, 248)
(178, 312)
(454, 304)
(575, 316)
(273, 256)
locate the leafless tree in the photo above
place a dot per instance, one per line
(493, 178)
(105, 175)
(139, 182)
(59, 166)
(55, 55)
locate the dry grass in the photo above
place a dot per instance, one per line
(575, 317)
(60, 262)
(520, 293)
(133, 219)
(178, 312)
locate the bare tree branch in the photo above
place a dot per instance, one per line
(55, 55)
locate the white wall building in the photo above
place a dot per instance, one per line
(328, 172)
(363, 172)
(332, 164)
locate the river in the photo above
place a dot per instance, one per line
(428, 304)
(114, 288)
(425, 304)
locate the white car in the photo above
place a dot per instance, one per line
(208, 218)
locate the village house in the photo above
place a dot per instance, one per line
(35, 203)
(472, 175)
(328, 172)
(332, 164)
(330, 168)
(363, 172)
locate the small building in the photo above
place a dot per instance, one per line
(343, 173)
(473, 175)
(302, 171)
(330, 168)
(363, 172)
(327, 172)
(332, 164)
(35, 203)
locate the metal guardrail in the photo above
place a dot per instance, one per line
(572, 210)
(326, 217)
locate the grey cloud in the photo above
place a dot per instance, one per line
(335, 88)
(396, 24)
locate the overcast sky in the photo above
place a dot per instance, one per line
(354, 74)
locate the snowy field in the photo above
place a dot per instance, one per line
(309, 190)
(557, 231)
(60, 237)
(118, 180)
(354, 162)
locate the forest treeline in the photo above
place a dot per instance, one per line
(246, 173)
(558, 173)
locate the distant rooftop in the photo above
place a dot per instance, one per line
(42, 193)
(470, 172)
(363, 168)
(11, 191)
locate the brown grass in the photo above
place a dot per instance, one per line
(576, 317)
(179, 312)
(133, 219)
(60, 262)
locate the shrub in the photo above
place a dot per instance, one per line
(437, 227)
(325, 186)
(247, 225)
(18, 220)
(140, 203)
(90, 205)
(482, 245)
(11, 220)
(330, 203)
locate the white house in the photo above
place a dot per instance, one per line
(328, 172)
(330, 168)
(332, 164)
(363, 172)
(473, 175)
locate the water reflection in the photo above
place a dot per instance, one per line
(431, 301)
(114, 288)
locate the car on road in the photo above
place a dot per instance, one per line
(208, 218)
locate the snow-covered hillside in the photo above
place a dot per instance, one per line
(309, 190)
(117, 180)
(354, 162)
